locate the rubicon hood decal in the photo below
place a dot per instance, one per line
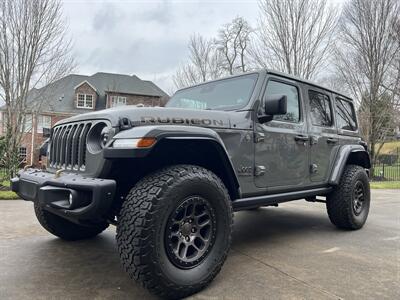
(165, 116)
(182, 121)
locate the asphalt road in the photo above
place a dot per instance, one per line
(290, 252)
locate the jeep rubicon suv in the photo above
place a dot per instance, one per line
(170, 178)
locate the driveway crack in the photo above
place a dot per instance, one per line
(291, 276)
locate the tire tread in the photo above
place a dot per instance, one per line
(142, 204)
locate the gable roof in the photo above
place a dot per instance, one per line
(87, 82)
(59, 96)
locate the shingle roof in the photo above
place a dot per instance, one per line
(59, 96)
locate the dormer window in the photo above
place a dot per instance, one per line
(84, 101)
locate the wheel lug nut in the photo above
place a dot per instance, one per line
(187, 239)
(193, 230)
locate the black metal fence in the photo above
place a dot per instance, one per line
(387, 167)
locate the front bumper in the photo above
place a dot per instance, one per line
(79, 199)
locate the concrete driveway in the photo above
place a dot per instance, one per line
(290, 252)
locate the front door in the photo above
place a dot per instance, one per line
(323, 134)
(282, 145)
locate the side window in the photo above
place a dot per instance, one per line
(292, 94)
(320, 109)
(345, 115)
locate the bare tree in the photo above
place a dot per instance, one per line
(34, 51)
(204, 63)
(294, 36)
(367, 58)
(233, 41)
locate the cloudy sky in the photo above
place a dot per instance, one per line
(146, 38)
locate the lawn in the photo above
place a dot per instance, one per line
(389, 147)
(385, 184)
(7, 195)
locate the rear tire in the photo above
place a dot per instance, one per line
(162, 241)
(348, 204)
(65, 229)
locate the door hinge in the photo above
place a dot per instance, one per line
(259, 137)
(260, 170)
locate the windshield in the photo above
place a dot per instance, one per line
(227, 94)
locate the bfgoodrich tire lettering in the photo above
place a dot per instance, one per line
(348, 205)
(142, 226)
(65, 229)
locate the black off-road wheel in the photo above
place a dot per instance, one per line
(65, 229)
(348, 204)
(174, 230)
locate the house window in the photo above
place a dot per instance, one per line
(118, 101)
(84, 101)
(3, 121)
(22, 154)
(27, 125)
(43, 122)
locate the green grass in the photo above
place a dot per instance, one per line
(8, 195)
(385, 184)
(389, 147)
(5, 183)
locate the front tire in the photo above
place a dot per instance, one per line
(65, 229)
(348, 204)
(174, 230)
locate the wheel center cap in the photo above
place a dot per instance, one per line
(186, 229)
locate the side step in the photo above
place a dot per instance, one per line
(252, 202)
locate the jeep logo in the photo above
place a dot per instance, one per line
(177, 120)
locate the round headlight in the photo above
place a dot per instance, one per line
(98, 137)
(104, 136)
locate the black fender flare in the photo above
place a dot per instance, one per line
(349, 154)
(170, 133)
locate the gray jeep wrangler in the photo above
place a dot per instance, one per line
(170, 178)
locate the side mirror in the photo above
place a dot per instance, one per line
(274, 105)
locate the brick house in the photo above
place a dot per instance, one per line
(77, 94)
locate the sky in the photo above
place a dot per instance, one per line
(145, 38)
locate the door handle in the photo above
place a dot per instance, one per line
(301, 138)
(332, 141)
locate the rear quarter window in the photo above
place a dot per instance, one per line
(345, 115)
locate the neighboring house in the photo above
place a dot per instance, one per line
(77, 94)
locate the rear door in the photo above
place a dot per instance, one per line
(324, 140)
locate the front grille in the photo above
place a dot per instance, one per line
(68, 146)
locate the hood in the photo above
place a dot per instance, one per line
(158, 115)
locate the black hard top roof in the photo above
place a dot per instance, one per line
(281, 74)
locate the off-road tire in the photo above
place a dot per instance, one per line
(339, 202)
(65, 229)
(141, 230)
